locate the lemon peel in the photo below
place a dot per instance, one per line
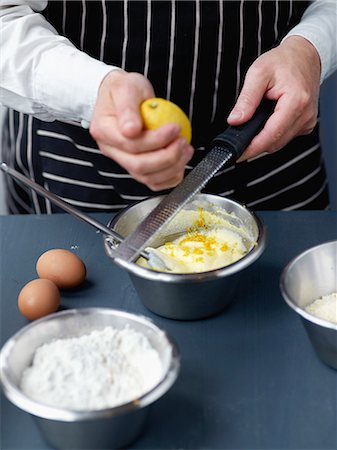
(157, 111)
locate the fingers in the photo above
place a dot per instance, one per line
(253, 90)
(106, 132)
(157, 157)
(158, 169)
(286, 122)
(117, 121)
(289, 74)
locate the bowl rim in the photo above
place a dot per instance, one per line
(196, 277)
(306, 315)
(21, 400)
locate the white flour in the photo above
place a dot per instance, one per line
(102, 369)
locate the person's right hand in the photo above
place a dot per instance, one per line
(156, 158)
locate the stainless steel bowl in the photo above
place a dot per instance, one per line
(306, 278)
(193, 295)
(100, 429)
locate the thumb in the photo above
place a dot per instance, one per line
(251, 94)
(129, 121)
(127, 113)
(127, 100)
(114, 101)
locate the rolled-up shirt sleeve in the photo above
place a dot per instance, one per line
(43, 73)
(319, 26)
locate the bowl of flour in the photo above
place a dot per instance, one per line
(309, 286)
(89, 376)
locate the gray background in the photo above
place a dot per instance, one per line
(328, 136)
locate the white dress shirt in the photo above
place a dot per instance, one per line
(34, 57)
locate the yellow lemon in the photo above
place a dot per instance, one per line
(156, 112)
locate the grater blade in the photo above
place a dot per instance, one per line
(227, 147)
(133, 244)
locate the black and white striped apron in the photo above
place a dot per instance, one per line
(195, 53)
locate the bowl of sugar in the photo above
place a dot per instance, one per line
(89, 376)
(309, 286)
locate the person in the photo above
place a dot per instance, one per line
(75, 73)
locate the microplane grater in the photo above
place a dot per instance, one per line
(227, 147)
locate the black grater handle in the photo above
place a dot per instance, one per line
(237, 138)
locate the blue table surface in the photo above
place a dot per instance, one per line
(249, 377)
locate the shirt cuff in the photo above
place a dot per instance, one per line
(67, 82)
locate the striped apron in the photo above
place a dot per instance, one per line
(195, 53)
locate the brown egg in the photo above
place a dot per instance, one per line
(38, 298)
(62, 267)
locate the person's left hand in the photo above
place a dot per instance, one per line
(289, 74)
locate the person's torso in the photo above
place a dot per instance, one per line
(195, 53)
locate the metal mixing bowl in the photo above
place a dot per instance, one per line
(107, 428)
(193, 295)
(307, 277)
